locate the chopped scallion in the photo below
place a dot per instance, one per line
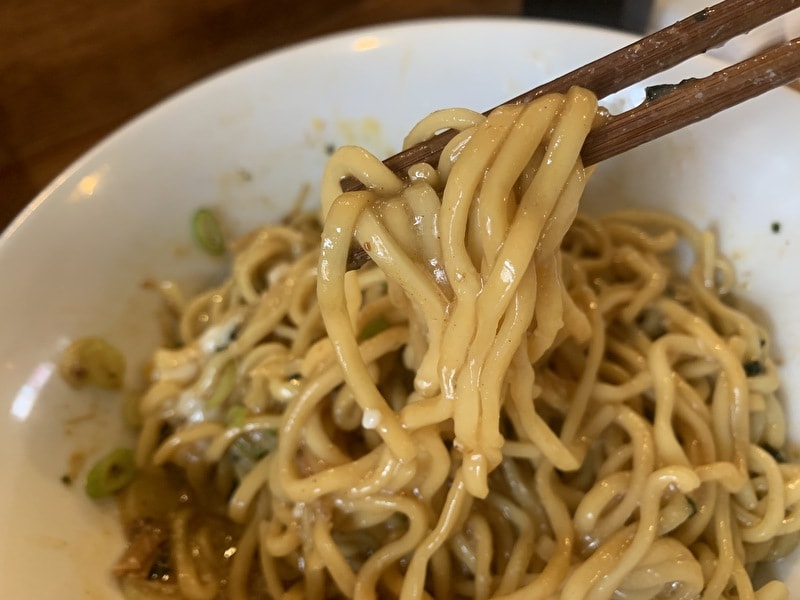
(235, 416)
(92, 361)
(247, 450)
(111, 473)
(207, 232)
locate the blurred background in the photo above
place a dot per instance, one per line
(71, 72)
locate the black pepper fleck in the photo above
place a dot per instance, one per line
(753, 368)
(776, 227)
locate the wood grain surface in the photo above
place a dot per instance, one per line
(71, 72)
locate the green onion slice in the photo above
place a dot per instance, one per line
(207, 232)
(236, 416)
(92, 361)
(111, 473)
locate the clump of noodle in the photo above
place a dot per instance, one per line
(547, 407)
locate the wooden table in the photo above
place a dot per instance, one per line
(73, 71)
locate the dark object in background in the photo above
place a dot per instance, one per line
(630, 15)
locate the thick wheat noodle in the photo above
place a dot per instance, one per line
(512, 400)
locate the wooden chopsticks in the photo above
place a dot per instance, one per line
(669, 107)
(673, 107)
(682, 105)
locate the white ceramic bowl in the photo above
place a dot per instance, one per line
(246, 142)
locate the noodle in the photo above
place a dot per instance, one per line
(513, 399)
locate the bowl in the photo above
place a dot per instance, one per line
(250, 142)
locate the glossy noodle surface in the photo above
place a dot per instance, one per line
(511, 400)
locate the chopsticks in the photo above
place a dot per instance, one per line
(673, 107)
(683, 104)
(668, 107)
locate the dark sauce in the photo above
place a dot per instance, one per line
(147, 511)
